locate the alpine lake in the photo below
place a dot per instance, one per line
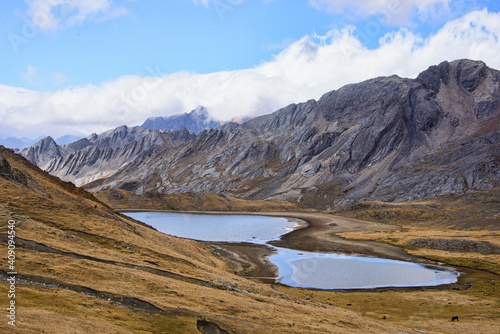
(299, 268)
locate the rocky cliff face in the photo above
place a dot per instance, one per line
(98, 156)
(42, 151)
(388, 139)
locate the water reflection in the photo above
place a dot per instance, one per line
(298, 269)
(336, 271)
(229, 228)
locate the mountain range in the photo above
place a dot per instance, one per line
(97, 156)
(100, 155)
(20, 143)
(16, 142)
(195, 121)
(387, 139)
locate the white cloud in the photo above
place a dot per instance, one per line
(59, 78)
(306, 69)
(53, 14)
(35, 77)
(207, 3)
(30, 74)
(392, 11)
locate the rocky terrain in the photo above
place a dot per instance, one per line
(101, 155)
(387, 139)
(461, 245)
(98, 156)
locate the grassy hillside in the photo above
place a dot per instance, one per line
(462, 230)
(472, 211)
(123, 199)
(85, 269)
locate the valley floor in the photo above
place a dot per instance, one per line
(474, 298)
(84, 268)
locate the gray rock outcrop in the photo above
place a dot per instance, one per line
(98, 156)
(460, 245)
(386, 139)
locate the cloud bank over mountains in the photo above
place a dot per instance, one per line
(304, 70)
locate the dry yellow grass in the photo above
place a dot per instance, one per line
(482, 261)
(123, 199)
(426, 310)
(86, 269)
(478, 210)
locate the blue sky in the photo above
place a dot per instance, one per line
(82, 66)
(176, 35)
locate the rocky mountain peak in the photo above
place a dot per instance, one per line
(195, 121)
(388, 138)
(100, 155)
(4, 166)
(42, 151)
(200, 112)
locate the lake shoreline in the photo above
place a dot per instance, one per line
(248, 260)
(318, 234)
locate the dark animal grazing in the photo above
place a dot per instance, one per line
(454, 319)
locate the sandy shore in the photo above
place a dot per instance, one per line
(247, 259)
(320, 236)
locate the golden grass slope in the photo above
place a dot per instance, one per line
(190, 201)
(478, 210)
(85, 269)
(473, 216)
